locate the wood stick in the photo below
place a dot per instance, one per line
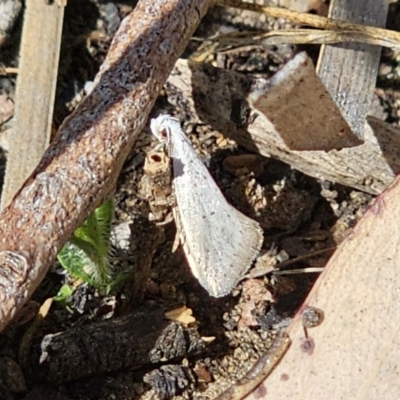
(80, 168)
(349, 71)
(36, 88)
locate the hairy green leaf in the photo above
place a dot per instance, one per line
(85, 256)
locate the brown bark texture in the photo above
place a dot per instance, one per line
(142, 338)
(80, 168)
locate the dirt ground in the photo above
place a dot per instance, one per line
(208, 343)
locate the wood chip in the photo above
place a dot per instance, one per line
(183, 315)
(298, 106)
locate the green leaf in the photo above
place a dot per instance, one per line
(85, 256)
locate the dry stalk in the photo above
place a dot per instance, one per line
(346, 31)
(80, 168)
(297, 36)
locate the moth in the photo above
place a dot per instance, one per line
(219, 241)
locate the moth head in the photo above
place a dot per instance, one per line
(164, 134)
(161, 127)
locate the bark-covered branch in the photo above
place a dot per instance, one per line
(80, 168)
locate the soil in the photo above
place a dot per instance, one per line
(220, 339)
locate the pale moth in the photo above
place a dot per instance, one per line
(220, 242)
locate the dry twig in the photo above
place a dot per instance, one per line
(8, 71)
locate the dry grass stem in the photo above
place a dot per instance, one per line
(334, 30)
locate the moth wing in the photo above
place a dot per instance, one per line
(220, 242)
